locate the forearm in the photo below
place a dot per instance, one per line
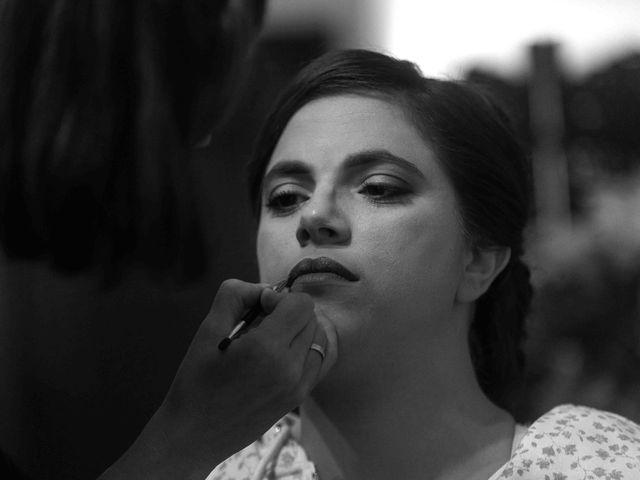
(167, 450)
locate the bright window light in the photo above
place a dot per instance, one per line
(444, 37)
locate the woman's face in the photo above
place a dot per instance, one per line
(352, 181)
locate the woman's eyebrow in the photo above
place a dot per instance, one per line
(369, 158)
(288, 168)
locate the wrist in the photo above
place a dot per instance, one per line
(166, 449)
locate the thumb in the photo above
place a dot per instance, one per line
(233, 299)
(269, 299)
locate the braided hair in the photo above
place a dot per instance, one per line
(490, 173)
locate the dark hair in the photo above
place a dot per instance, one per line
(490, 173)
(100, 105)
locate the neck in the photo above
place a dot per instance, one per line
(406, 422)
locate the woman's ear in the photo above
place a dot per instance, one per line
(482, 266)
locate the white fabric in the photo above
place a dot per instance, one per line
(567, 443)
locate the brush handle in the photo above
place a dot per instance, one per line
(249, 317)
(242, 326)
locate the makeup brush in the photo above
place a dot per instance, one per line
(251, 315)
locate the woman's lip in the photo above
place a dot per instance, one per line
(317, 283)
(319, 277)
(315, 267)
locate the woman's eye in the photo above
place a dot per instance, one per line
(285, 201)
(376, 190)
(383, 192)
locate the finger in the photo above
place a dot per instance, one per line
(329, 329)
(300, 343)
(269, 299)
(290, 316)
(233, 299)
(314, 362)
(327, 337)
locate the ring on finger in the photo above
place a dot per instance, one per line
(318, 348)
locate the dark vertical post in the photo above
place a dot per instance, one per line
(550, 173)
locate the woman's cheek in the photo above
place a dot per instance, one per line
(272, 250)
(262, 247)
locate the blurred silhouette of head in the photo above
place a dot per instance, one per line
(100, 105)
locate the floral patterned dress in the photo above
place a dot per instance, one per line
(568, 443)
(576, 443)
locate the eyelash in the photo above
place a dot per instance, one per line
(391, 194)
(274, 202)
(394, 193)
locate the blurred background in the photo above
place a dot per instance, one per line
(86, 375)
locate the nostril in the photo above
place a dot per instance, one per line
(303, 236)
(323, 230)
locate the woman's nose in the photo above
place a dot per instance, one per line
(323, 223)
